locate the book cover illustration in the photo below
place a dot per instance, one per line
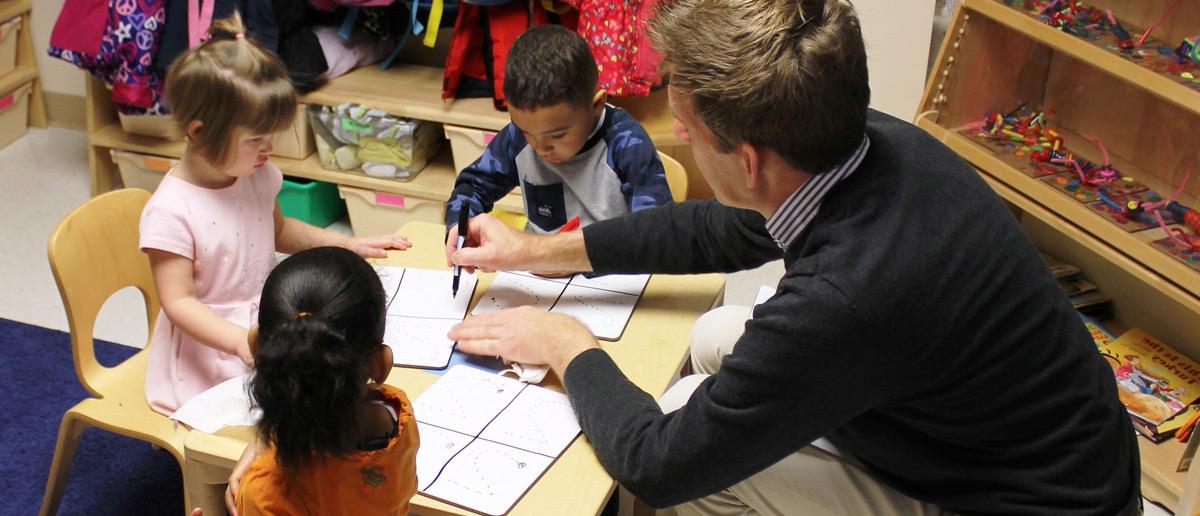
(1154, 382)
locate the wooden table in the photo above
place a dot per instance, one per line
(651, 353)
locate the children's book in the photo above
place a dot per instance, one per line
(1160, 433)
(604, 304)
(1154, 382)
(485, 439)
(420, 312)
(1100, 335)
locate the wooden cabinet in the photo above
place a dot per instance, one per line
(25, 70)
(999, 55)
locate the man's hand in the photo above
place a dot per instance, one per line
(377, 246)
(526, 335)
(491, 246)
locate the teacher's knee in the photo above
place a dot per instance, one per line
(714, 335)
(678, 394)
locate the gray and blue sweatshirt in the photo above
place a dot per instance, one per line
(616, 172)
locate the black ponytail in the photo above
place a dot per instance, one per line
(320, 322)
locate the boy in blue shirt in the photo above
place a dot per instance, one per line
(572, 154)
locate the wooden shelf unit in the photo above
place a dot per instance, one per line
(405, 90)
(997, 56)
(26, 64)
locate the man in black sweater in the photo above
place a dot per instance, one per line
(915, 328)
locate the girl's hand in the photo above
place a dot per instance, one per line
(244, 353)
(253, 449)
(377, 246)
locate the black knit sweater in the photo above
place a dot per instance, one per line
(915, 326)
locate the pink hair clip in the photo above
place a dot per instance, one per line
(240, 35)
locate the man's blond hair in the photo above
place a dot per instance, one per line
(790, 75)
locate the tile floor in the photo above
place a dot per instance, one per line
(44, 175)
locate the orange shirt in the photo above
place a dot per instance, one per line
(364, 482)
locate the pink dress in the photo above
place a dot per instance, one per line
(229, 234)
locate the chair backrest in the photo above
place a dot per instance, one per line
(94, 253)
(677, 177)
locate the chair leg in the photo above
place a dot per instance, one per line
(64, 453)
(204, 487)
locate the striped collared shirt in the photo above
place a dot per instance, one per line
(799, 209)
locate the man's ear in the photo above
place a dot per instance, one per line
(381, 366)
(599, 100)
(751, 165)
(192, 130)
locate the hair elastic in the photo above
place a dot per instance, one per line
(302, 315)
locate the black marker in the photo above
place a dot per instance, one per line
(463, 215)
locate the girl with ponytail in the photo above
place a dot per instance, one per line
(333, 439)
(212, 227)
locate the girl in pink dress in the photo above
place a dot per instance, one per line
(212, 227)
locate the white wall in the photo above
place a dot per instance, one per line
(57, 75)
(897, 36)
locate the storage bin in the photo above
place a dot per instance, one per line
(297, 141)
(143, 171)
(356, 137)
(314, 202)
(379, 213)
(157, 126)
(8, 45)
(467, 144)
(14, 113)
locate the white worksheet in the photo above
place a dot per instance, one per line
(539, 420)
(603, 311)
(466, 399)
(624, 283)
(420, 312)
(438, 446)
(510, 290)
(419, 342)
(604, 304)
(488, 477)
(485, 439)
(426, 293)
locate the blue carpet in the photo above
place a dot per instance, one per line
(110, 474)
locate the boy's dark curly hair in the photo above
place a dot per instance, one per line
(548, 65)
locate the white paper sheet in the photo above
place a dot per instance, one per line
(421, 310)
(489, 477)
(604, 312)
(539, 420)
(465, 399)
(515, 431)
(225, 404)
(509, 290)
(624, 283)
(426, 293)
(438, 446)
(419, 342)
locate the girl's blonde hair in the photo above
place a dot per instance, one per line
(225, 83)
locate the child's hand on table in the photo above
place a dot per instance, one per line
(377, 246)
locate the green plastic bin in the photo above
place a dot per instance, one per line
(314, 202)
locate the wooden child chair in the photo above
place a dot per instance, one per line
(94, 253)
(677, 177)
